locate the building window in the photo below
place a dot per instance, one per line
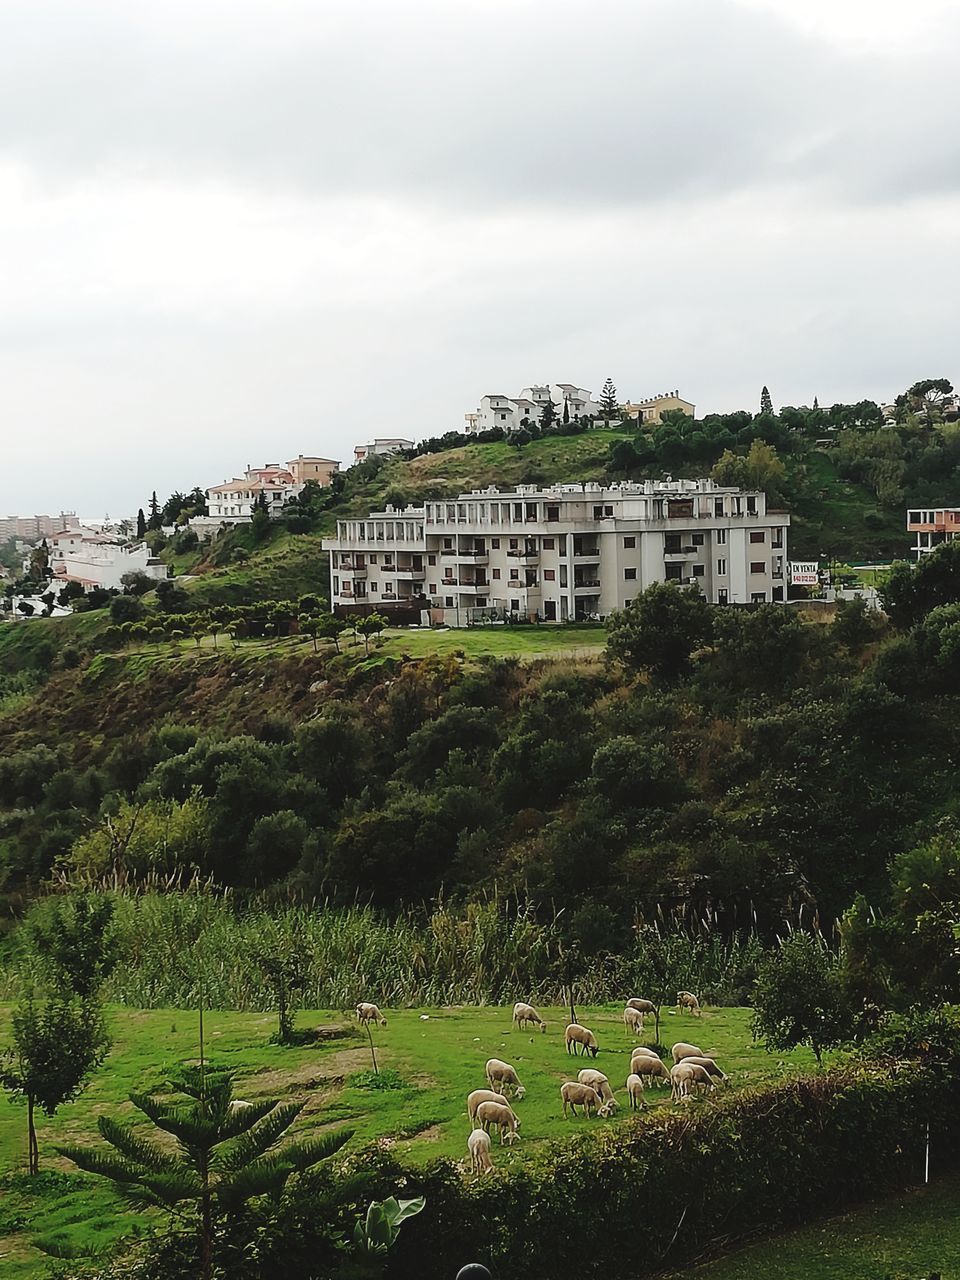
(549, 544)
(608, 511)
(515, 606)
(697, 539)
(758, 566)
(674, 572)
(757, 536)
(672, 544)
(496, 573)
(721, 568)
(372, 557)
(514, 575)
(373, 587)
(722, 596)
(336, 585)
(629, 542)
(495, 543)
(751, 506)
(721, 537)
(598, 513)
(433, 588)
(758, 597)
(778, 593)
(448, 602)
(630, 575)
(549, 575)
(718, 506)
(553, 513)
(914, 517)
(628, 601)
(699, 570)
(514, 544)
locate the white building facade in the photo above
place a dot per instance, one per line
(509, 412)
(100, 560)
(560, 554)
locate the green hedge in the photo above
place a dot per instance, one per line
(658, 1192)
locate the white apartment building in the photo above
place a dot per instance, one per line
(233, 502)
(508, 412)
(565, 553)
(34, 529)
(100, 560)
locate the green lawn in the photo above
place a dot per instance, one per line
(439, 1058)
(909, 1235)
(522, 642)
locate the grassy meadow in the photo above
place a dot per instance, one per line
(431, 1057)
(912, 1234)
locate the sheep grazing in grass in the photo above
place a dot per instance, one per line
(597, 1080)
(709, 1066)
(681, 1078)
(574, 1094)
(702, 1079)
(632, 1021)
(579, 1040)
(503, 1075)
(635, 1091)
(501, 1116)
(683, 1050)
(642, 1006)
(642, 1048)
(367, 1013)
(687, 1000)
(524, 1013)
(483, 1095)
(478, 1144)
(648, 1068)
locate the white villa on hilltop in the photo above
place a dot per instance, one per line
(508, 412)
(573, 551)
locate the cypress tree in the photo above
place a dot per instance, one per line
(141, 525)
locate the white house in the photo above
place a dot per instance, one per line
(508, 412)
(234, 501)
(381, 445)
(100, 559)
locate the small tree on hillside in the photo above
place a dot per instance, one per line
(369, 626)
(660, 630)
(155, 520)
(75, 940)
(766, 401)
(799, 997)
(260, 518)
(141, 525)
(57, 1044)
(609, 404)
(548, 415)
(226, 1152)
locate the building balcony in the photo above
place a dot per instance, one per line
(409, 574)
(524, 556)
(474, 588)
(358, 570)
(587, 553)
(684, 553)
(589, 584)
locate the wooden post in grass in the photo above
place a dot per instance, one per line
(373, 1052)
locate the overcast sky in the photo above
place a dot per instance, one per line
(232, 231)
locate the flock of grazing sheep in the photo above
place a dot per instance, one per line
(692, 1072)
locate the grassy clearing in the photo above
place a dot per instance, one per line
(502, 642)
(910, 1235)
(438, 1060)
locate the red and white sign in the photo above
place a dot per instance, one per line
(804, 573)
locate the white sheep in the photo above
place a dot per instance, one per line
(683, 1050)
(502, 1074)
(494, 1113)
(478, 1144)
(597, 1080)
(642, 1006)
(632, 1020)
(483, 1095)
(367, 1013)
(635, 1091)
(709, 1066)
(524, 1013)
(647, 1068)
(681, 1078)
(574, 1094)
(642, 1048)
(579, 1040)
(701, 1076)
(687, 1000)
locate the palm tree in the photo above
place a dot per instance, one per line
(226, 1151)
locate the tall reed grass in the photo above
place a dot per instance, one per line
(181, 945)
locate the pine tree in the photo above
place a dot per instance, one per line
(260, 517)
(155, 521)
(609, 404)
(766, 401)
(548, 414)
(141, 525)
(816, 405)
(226, 1151)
